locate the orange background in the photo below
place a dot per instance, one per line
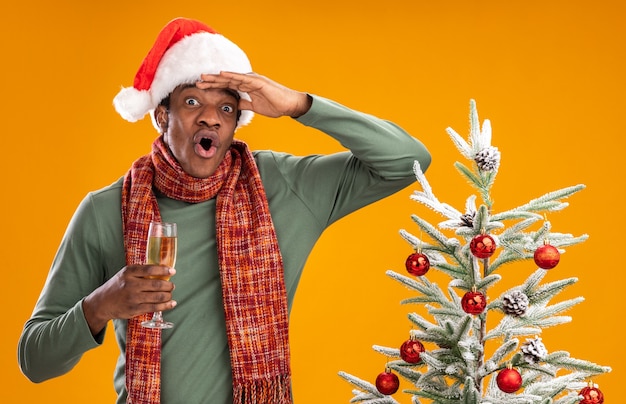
(549, 76)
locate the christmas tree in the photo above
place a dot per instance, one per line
(471, 360)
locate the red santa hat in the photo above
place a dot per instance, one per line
(183, 50)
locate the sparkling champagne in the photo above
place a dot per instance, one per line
(161, 251)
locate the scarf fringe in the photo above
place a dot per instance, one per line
(275, 390)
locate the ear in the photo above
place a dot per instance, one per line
(161, 117)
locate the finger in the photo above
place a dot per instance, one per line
(152, 307)
(234, 81)
(245, 104)
(142, 302)
(156, 297)
(153, 284)
(208, 81)
(237, 76)
(221, 78)
(155, 272)
(225, 85)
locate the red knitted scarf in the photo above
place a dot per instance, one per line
(251, 272)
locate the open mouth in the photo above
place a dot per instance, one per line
(206, 143)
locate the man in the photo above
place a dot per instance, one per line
(246, 223)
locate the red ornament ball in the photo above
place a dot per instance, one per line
(591, 395)
(547, 256)
(387, 383)
(473, 302)
(509, 380)
(410, 350)
(482, 246)
(417, 264)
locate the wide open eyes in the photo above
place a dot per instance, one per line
(192, 102)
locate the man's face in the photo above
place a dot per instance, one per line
(199, 127)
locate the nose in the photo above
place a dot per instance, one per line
(208, 116)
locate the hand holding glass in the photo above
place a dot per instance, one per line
(161, 250)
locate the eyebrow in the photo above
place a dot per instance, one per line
(223, 90)
(233, 93)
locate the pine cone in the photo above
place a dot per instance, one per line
(468, 219)
(515, 303)
(488, 159)
(534, 350)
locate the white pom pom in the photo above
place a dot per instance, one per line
(133, 104)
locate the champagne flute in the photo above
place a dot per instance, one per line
(160, 250)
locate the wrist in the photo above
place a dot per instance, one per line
(95, 322)
(303, 106)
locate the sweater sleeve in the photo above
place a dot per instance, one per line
(379, 162)
(57, 335)
(384, 147)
